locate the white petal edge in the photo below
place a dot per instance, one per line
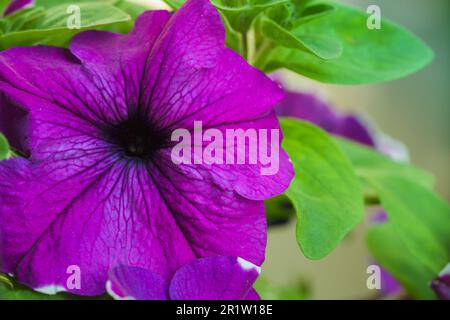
(247, 265)
(51, 289)
(115, 295)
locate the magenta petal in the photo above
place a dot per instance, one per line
(238, 94)
(214, 219)
(60, 97)
(215, 278)
(194, 77)
(96, 217)
(16, 5)
(116, 62)
(137, 283)
(195, 33)
(247, 179)
(112, 51)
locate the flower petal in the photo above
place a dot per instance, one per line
(214, 278)
(52, 86)
(214, 220)
(252, 178)
(97, 217)
(137, 283)
(116, 62)
(256, 181)
(192, 76)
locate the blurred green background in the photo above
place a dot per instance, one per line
(414, 110)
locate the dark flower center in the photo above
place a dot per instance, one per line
(136, 138)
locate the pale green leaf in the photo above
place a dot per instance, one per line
(325, 191)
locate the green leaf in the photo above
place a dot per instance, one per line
(313, 12)
(233, 38)
(414, 245)
(92, 14)
(368, 56)
(323, 47)
(368, 162)
(23, 19)
(325, 191)
(277, 24)
(3, 5)
(390, 250)
(419, 216)
(54, 3)
(22, 293)
(4, 147)
(320, 46)
(133, 9)
(53, 28)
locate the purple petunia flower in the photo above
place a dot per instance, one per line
(213, 278)
(99, 189)
(16, 5)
